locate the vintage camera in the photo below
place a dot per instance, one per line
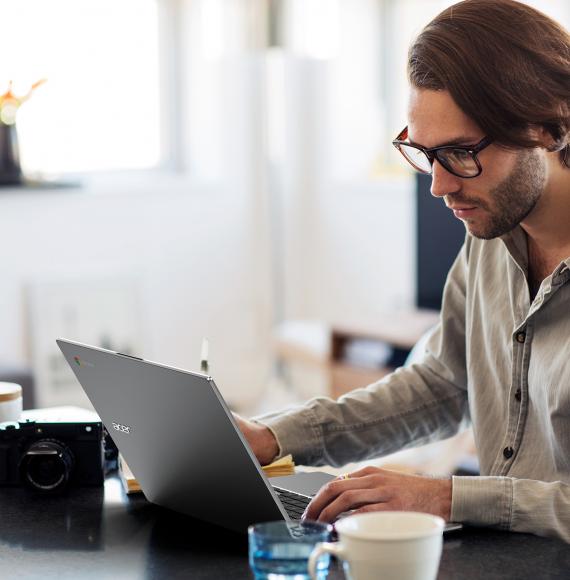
(51, 456)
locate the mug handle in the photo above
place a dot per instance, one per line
(322, 548)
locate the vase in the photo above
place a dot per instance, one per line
(10, 169)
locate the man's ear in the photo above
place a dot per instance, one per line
(548, 140)
(553, 145)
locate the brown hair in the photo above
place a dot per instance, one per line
(505, 64)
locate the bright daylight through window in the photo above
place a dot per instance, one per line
(99, 109)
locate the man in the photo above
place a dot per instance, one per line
(489, 118)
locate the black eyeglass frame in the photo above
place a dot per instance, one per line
(432, 153)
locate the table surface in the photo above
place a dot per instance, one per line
(101, 533)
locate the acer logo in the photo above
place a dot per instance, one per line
(121, 428)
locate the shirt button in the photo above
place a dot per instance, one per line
(518, 395)
(521, 337)
(508, 452)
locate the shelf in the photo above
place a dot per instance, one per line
(353, 355)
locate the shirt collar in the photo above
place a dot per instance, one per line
(516, 244)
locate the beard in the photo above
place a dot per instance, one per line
(512, 200)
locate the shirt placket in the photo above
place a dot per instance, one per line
(518, 398)
(518, 402)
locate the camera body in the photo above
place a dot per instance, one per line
(52, 456)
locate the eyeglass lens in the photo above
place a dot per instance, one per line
(458, 161)
(417, 158)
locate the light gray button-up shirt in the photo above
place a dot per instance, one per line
(497, 361)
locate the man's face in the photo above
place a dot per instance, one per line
(511, 182)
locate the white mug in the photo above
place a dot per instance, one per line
(10, 402)
(386, 546)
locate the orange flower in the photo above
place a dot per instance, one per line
(10, 102)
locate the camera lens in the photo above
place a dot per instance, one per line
(47, 465)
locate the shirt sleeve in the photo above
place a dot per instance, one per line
(413, 406)
(518, 505)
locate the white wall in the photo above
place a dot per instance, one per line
(352, 260)
(347, 247)
(364, 257)
(194, 250)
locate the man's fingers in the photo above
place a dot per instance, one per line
(351, 500)
(343, 491)
(328, 493)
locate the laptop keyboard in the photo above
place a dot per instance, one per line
(293, 503)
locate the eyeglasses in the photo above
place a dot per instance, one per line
(459, 161)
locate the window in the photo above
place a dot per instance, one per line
(100, 109)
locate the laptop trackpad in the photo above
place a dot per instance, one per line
(304, 483)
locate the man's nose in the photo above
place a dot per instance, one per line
(443, 183)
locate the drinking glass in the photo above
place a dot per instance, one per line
(281, 550)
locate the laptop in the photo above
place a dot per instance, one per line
(182, 443)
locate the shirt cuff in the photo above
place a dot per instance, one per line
(297, 432)
(482, 501)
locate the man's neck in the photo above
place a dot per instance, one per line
(540, 265)
(548, 226)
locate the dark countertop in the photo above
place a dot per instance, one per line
(101, 533)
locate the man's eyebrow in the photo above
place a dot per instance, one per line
(462, 140)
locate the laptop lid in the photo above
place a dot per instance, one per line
(177, 436)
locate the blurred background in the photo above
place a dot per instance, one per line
(219, 169)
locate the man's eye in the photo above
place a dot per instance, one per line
(460, 154)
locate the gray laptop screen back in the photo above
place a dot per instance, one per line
(177, 436)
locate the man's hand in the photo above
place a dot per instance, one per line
(260, 439)
(373, 489)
